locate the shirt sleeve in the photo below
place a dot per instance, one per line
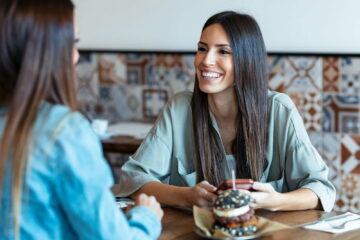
(83, 188)
(304, 167)
(152, 161)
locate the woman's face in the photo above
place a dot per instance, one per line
(214, 62)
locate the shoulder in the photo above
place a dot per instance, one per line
(58, 122)
(54, 117)
(179, 104)
(181, 99)
(68, 134)
(177, 112)
(278, 100)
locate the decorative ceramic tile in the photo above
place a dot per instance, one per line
(350, 154)
(348, 196)
(154, 101)
(276, 73)
(186, 78)
(163, 76)
(140, 68)
(174, 71)
(350, 78)
(112, 68)
(309, 106)
(303, 74)
(102, 111)
(87, 75)
(168, 60)
(129, 102)
(132, 99)
(106, 107)
(167, 67)
(341, 113)
(331, 74)
(298, 99)
(347, 203)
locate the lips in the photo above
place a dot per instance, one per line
(210, 75)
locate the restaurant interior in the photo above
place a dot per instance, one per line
(123, 84)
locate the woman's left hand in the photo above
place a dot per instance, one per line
(265, 196)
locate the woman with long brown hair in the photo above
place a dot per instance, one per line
(54, 181)
(231, 122)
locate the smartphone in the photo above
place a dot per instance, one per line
(245, 184)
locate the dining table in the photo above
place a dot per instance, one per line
(122, 144)
(179, 224)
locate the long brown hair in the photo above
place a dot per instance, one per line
(250, 77)
(36, 51)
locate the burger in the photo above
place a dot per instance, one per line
(233, 215)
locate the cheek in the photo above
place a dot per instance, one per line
(76, 56)
(230, 68)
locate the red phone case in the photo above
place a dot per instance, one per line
(245, 184)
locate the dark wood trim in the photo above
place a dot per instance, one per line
(306, 54)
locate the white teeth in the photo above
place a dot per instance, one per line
(210, 74)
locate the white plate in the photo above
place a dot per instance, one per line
(201, 234)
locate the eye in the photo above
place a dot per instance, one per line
(201, 49)
(76, 40)
(224, 52)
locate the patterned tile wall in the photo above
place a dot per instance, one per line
(326, 90)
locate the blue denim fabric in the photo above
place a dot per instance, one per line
(66, 190)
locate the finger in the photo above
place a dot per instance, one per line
(254, 205)
(263, 187)
(152, 198)
(210, 197)
(257, 196)
(207, 186)
(140, 198)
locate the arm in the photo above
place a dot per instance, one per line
(268, 198)
(202, 195)
(83, 189)
(300, 173)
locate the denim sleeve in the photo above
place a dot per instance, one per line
(83, 188)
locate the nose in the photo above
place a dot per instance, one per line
(209, 58)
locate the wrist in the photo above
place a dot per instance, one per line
(279, 202)
(185, 197)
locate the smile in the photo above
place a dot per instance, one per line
(210, 75)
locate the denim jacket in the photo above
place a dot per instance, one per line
(66, 191)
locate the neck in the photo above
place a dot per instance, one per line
(224, 105)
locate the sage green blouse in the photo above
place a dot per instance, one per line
(167, 153)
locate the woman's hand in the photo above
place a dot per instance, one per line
(265, 197)
(202, 195)
(150, 202)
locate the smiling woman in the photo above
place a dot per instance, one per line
(214, 62)
(230, 122)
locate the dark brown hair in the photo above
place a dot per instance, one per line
(36, 65)
(250, 77)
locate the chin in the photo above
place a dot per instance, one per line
(213, 89)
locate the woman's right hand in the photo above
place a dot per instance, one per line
(202, 195)
(150, 202)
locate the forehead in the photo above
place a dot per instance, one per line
(214, 33)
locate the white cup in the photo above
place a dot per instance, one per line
(100, 126)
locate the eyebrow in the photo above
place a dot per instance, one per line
(217, 45)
